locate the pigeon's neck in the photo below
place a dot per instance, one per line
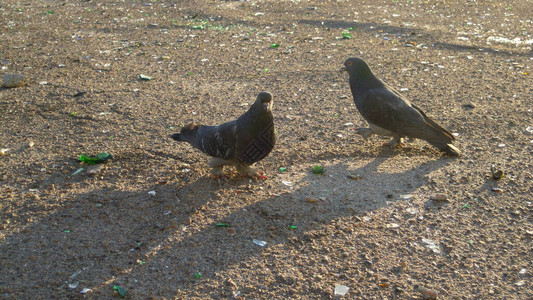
(361, 84)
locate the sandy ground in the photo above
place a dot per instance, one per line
(368, 223)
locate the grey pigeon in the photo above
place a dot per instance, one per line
(389, 114)
(240, 143)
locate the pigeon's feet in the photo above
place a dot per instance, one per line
(252, 173)
(218, 173)
(395, 142)
(366, 133)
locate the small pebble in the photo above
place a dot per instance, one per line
(438, 197)
(520, 283)
(14, 80)
(427, 293)
(93, 170)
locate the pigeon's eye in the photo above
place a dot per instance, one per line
(349, 63)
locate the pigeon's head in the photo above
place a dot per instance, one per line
(357, 68)
(188, 131)
(263, 101)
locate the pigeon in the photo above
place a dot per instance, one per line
(389, 114)
(238, 143)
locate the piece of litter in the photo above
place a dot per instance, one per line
(501, 145)
(121, 291)
(144, 77)
(74, 274)
(406, 196)
(287, 183)
(529, 129)
(152, 193)
(96, 159)
(392, 225)
(78, 171)
(73, 285)
(43, 82)
(496, 190)
(85, 291)
(348, 124)
(260, 243)
(431, 245)
(411, 210)
(341, 290)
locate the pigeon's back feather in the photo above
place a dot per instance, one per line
(387, 110)
(217, 141)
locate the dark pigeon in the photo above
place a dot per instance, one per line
(389, 114)
(240, 143)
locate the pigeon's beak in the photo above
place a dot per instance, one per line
(269, 105)
(343, 68)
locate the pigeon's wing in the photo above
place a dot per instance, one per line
(217, 141)
(389, 110)
(433, 123)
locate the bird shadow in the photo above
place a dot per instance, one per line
(112, 237)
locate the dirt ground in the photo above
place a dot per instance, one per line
(147, 220)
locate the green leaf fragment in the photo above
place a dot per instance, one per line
(66, 231)
(282, 169)
(318, 170)
(197, 275)
(222, 225)
(293, 227)
(275, 45)
(121, 291)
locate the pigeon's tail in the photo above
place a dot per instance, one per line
(449, 149)
(178, 137)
